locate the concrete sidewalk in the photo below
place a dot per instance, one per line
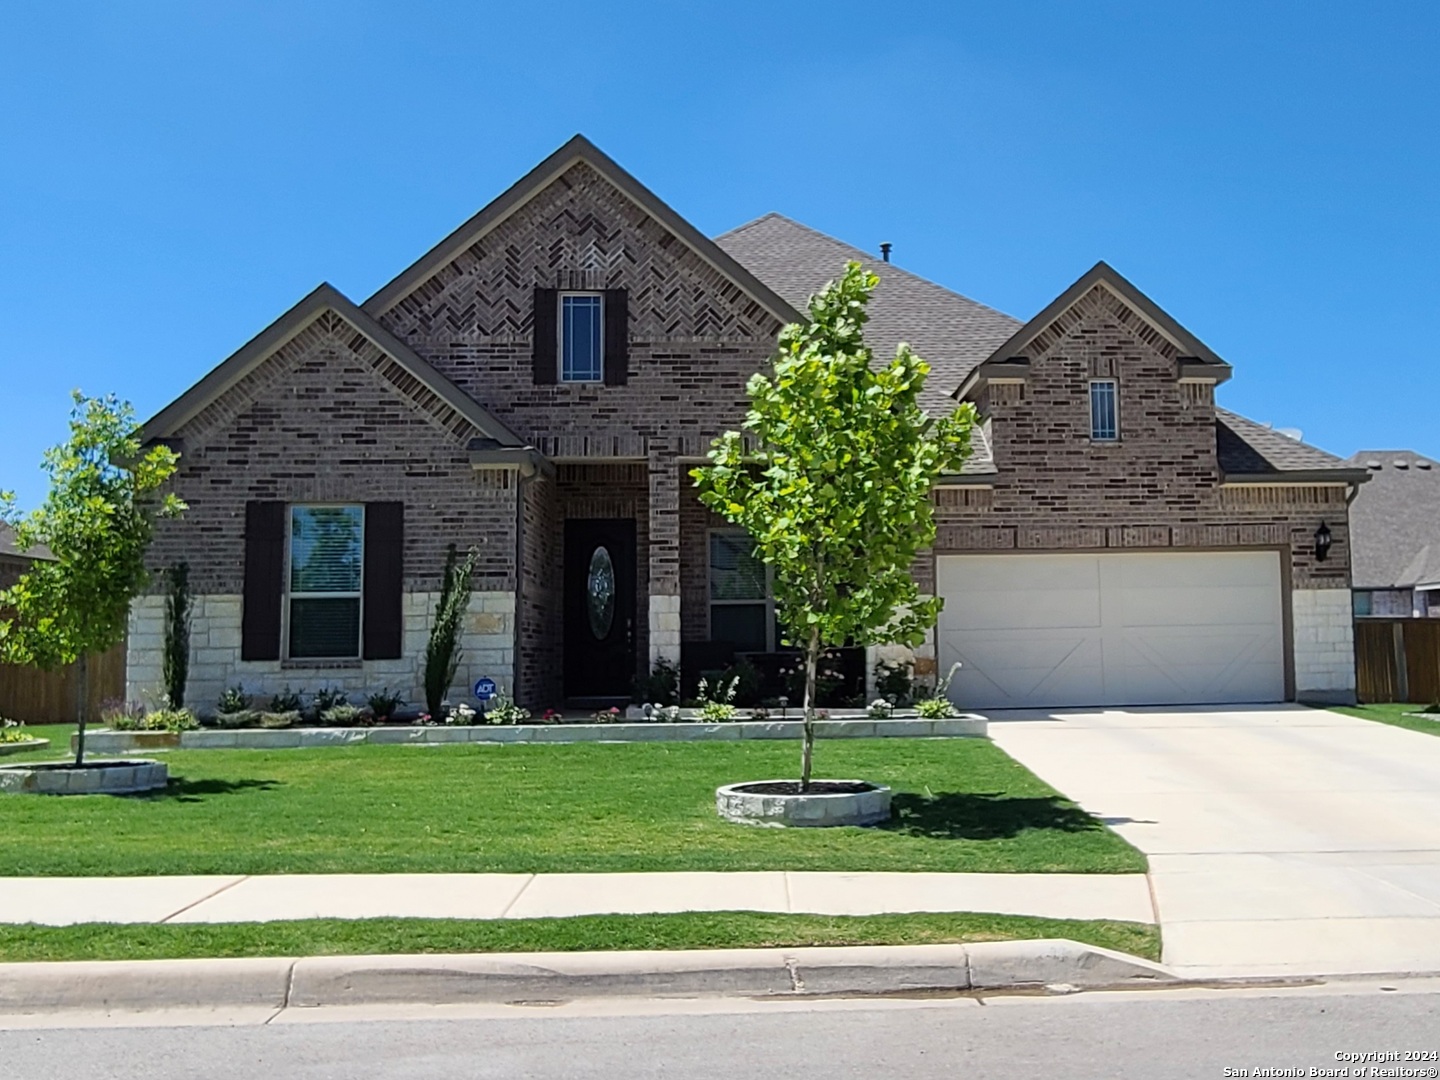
(214, 899)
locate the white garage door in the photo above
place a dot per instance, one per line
(1115, 629)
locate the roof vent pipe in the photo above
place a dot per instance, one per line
(885, 251)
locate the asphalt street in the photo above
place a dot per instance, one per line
(1151, 1034)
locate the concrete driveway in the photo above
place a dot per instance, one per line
(1282, 839)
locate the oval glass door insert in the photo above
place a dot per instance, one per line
(600, 593)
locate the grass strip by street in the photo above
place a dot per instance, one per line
(1394, 714)
(960, 805)
(690, 930)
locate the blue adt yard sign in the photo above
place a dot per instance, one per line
(485, 689)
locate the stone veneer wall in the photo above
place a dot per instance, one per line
(1324, 634)
(487, 642)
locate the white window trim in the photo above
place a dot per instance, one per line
(560, 337)
(771, 641)
(289, 595)
(1114, 384)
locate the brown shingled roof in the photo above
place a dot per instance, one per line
(951, 332)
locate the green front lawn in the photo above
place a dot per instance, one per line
(1394, 714)
(961, 805)
(695, 930)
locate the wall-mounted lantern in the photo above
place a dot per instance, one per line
(1322, 542)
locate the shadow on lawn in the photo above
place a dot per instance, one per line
(979, 816)
(182, 790)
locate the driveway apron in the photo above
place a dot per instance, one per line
(1282, 840)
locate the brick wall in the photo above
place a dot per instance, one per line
(314, 424)
(695, 338)
(1158, 486)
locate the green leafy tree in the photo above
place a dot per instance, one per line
(832, 479)
(97, 520)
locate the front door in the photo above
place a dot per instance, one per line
(599, 607)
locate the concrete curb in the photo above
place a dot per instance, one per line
(522, 977)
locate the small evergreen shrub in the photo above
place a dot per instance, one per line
(661, 686)
(384, 703)
(233, 699)
(286, 701)
(283, 718)
(342, 715)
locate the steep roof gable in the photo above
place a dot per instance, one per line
(1395, 520)
(578, 149)
(1186, 344)
(444, 394)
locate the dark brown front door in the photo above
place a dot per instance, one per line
(599, 607)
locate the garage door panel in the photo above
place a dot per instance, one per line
(1014, 668)
(1000, 611)
(1224, 605)
(1112, 628)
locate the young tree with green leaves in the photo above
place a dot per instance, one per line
(97, 521)
(836, 489)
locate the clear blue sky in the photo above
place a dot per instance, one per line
(173, 176)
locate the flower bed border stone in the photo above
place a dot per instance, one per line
(125, 777)
(118, 742)
(21, 747)
(810, 810)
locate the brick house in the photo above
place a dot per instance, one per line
(539, 383)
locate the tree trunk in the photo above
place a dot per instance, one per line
(807, 745)
(82, 681)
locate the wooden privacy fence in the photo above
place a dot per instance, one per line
(50, 697)
(1397, 660)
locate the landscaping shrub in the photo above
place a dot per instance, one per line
(325, 699)
(747, 681)
(175, 659)
(383, 703)
(661, 686)
(119, 715)
(462, 715)
(172, 720)
(722, 705)
(13, 731)
(286, 701)
(232, 700)
(442, 651)
(934, 708)
(279, 719)
(503, 710)
(895, 681)
(344, 715)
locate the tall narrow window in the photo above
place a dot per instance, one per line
(742, 611)
(326, 571)
(582, 349)
(1104, 419)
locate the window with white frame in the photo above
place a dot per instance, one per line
(742, 610)
(582, 342)
(1104, 414)
(325, 582)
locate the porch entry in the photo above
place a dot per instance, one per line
(599, 607)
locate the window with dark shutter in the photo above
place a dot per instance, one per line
(327, 557)
(544, 334)
(617, 337)
(384, 580)
(264, 581)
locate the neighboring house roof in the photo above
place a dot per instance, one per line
(264, 345)
(9, 549)
(1254, 452)
(1395, 521)
(951, 332)
(537, 180)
